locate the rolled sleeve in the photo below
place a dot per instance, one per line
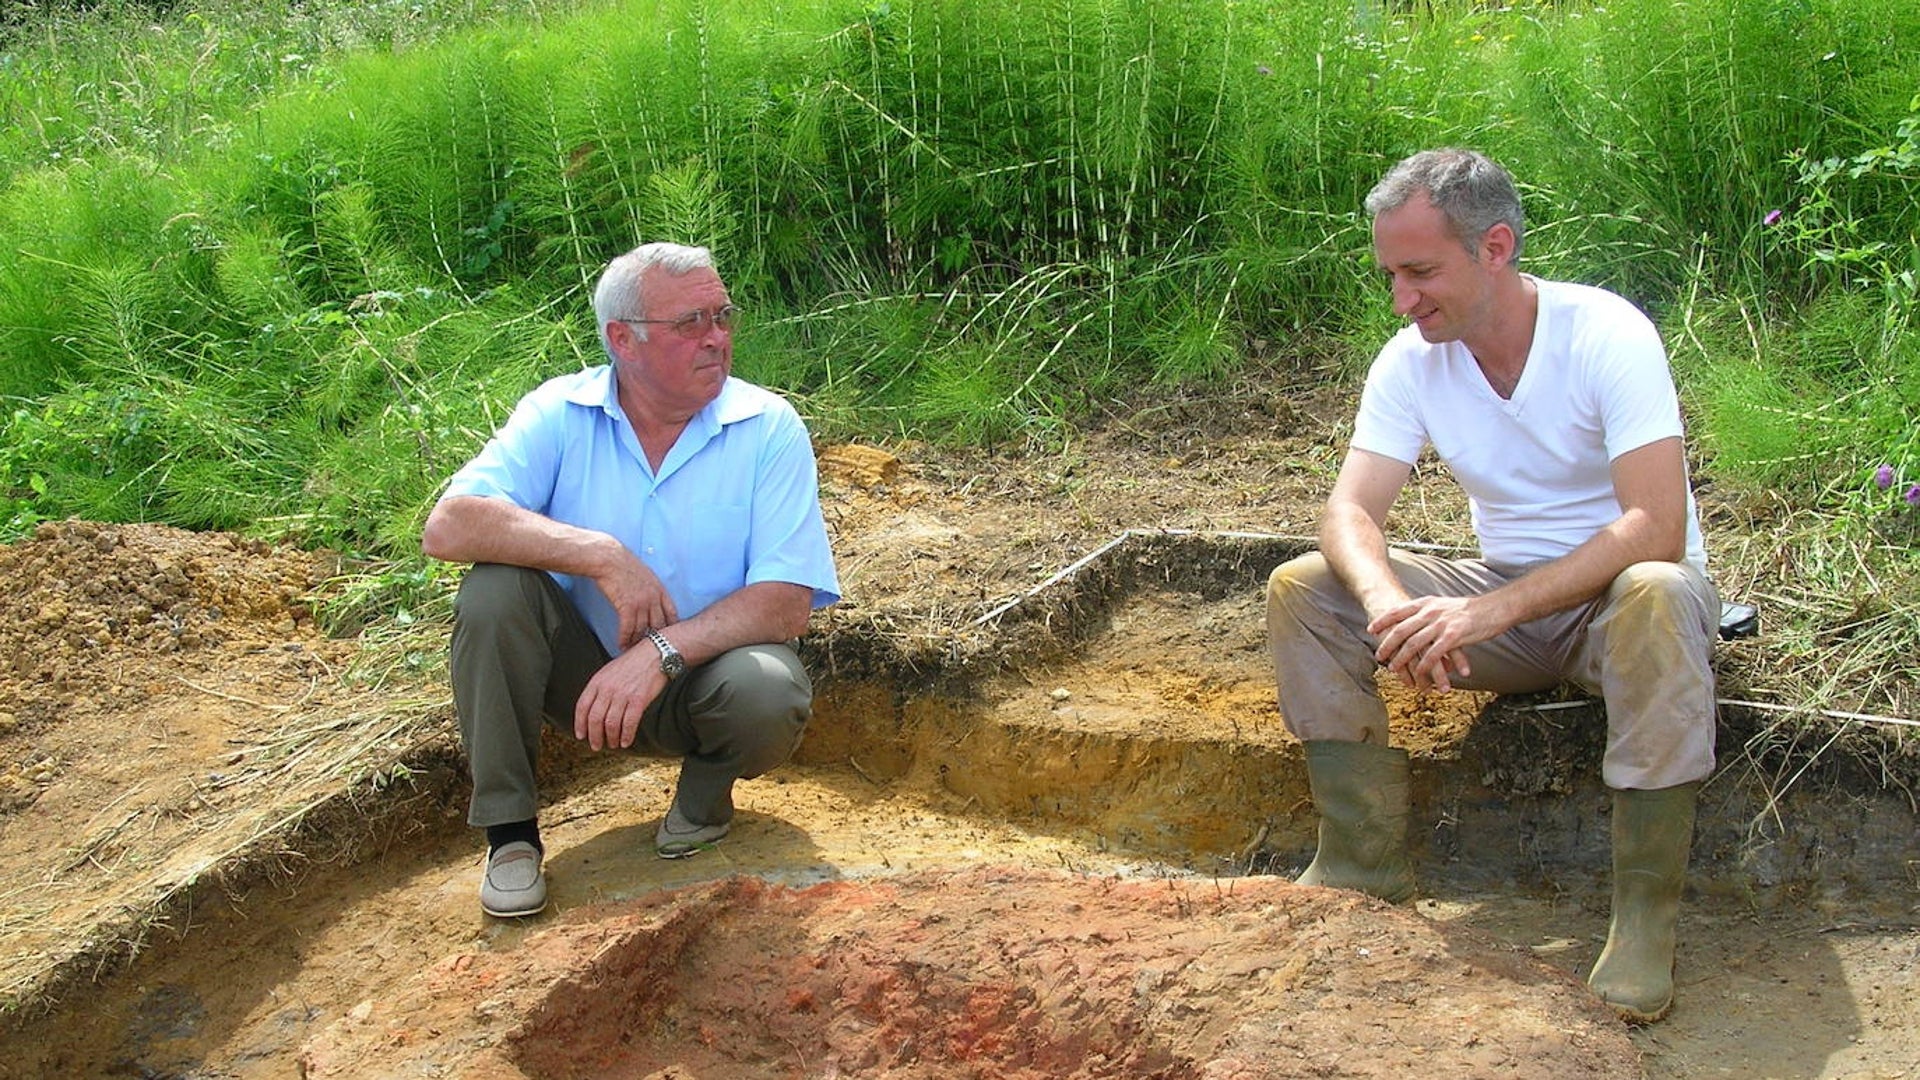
(789, 534)
(519, 463)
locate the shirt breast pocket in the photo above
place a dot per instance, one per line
(713, 555)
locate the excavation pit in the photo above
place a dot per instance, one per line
(1129, 699)
(1125, 704)
(1057, 838)
(989, 972)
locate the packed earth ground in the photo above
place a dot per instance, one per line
(1041, 826)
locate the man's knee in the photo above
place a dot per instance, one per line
(755, 701)
(1655, 578)
(1300, 572)
(1292, 586)
(493, 592)
(1664, 596)
(760, 683)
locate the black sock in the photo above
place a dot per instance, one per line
(498, 836)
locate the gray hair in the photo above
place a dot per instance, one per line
(618, 294)
(1471, 191)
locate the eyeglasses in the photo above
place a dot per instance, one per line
(694, 323)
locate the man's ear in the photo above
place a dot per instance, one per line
(622, 337)
(1496, 245)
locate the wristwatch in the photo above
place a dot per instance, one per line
(672, 664)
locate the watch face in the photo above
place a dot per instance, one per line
(671, 662)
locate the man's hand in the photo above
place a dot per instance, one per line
(638, 597)
(608, 712)
(1425, 638)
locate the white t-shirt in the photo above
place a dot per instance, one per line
(1535, 466)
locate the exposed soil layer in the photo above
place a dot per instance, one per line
(232, 840)
(159, 700)
(990, 973)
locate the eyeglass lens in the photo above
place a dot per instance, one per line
(694, 323)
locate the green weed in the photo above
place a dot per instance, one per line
(304, 256)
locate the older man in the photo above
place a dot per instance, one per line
(1552, 405)
(647, 540)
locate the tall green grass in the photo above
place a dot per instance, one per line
(281, 266)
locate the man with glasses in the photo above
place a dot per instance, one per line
(1552, 405)
(646, 540)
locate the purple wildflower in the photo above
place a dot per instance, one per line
(1772, 216)
(1883, 477)
(1913, 496)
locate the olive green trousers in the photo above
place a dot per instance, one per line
(522, 656)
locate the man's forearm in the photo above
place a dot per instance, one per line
(763, 613)
(1583, 573)
(476, 529)
(1356, 548)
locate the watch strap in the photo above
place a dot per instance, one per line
(671, 662)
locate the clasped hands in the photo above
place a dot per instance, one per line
(1424, 639)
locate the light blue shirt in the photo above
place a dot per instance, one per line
(736, 501)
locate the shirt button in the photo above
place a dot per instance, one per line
(649, 549)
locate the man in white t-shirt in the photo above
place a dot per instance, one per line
(1553, 406)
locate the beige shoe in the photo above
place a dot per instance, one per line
(514, 885)
(679, 838)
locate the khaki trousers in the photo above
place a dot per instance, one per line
(522, 655)
(1645, 646)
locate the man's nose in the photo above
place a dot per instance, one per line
(1405, 298)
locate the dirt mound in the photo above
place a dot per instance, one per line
(165, 697)
(151, 602)
(988, 972)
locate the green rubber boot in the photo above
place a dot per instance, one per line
(1652, 836)
(1361, 792)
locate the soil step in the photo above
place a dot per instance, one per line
(1130, 699)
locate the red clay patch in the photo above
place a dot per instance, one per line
(1013, 974)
